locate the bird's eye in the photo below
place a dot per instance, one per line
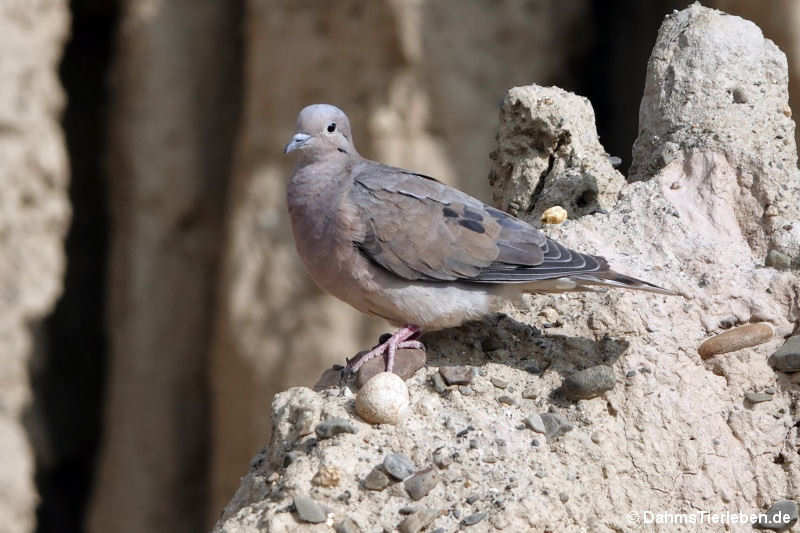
(331, 127)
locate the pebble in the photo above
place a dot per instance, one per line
(507, 400)
(408, 509)
(333, 426)
(308, 510)
(327, 476)
(530, 393)
(735, 339)
(417, 521)
(466, 390)
(780, 517)
(630, 373)
(472, 499)
(554, 215)
(456, 375)
(535, 423)
(376, 480)
(346, 526)
(787, 358)
(383, 400)
(589, 383)
(398, 466)
(500, 383)
(555, 425)
(438, 383)
(778, 260)
(563, 496)
(442, 457)
(473, 519)
(420, 484)
(406, 364)
(757, 397)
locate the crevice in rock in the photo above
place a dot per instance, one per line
(69, 370)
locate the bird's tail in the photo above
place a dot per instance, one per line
(595, 281)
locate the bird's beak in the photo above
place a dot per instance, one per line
(297, 141)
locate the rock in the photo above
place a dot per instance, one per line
(406, 364)
(398, 466)
(383, 399)
(438, 382)
(735, 339)
(787, 358)
(550, 155)
(779, 517)
(420, 484)
(456, 375)
(757, 397)
(530, 393)
(555, 425)
(376, 480)
(589, 383)
(554, 215)
(326, 476)
(442, 457)
(309, 510)
(346, 526)
(779, 260)
(500, 383)
(296, 412)
(535, 423)
(418, 521)
(506, 400)
(473, 519)
(333, 426)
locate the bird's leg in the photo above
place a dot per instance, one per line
(401, 339)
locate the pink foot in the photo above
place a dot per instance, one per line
(401, 339)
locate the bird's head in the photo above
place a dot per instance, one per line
(321, 129)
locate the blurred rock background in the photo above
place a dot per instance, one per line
(151, 302)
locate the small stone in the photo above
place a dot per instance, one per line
(420, 484)
(500, 383)
(333, 426)
(596, 437)
(472, 499)
(398, 466)
(787, 358)
(406, 364)
(778, 260)
(530, 393)
(615, 160)
(757, 397)
(506, 400)
(383, 400)
(347, 526)
(456, 375)
(554, 215)
(780, 517)
(739, 96)
(473, 519)
(535, 423)
(408, 509)
(326, 476)
(417, 521)
(438, 383)
(630, 373)
(589, 383)
(735, 339)
(555, 425)
(376, 480)
(563, 496)
(442, 457)
(308, 510)
(466, 390)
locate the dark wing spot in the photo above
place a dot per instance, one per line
(472, 215)
(472, 225)
(342, 150)
(449, 213)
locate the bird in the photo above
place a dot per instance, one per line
(405, 247)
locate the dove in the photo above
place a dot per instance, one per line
(407, 248)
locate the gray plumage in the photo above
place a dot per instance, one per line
(403, 246)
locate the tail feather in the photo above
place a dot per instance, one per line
(596, 281)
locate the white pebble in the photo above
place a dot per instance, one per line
(383, 399)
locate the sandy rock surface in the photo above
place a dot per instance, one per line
(676, 433)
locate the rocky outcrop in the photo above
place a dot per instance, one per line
(34, 215)
(533, 440)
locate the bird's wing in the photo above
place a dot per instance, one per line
(421, 229)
